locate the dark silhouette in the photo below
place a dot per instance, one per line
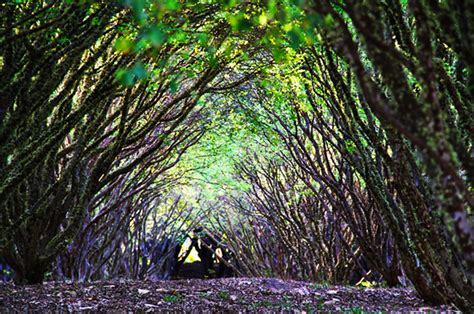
(211, 265)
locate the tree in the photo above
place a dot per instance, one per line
(69, 129)
(390, 94)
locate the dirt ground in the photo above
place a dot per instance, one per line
(214, 295)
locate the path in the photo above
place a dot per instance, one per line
(196, 295)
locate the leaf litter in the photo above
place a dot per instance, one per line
(229, 295)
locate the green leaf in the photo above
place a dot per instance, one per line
(329, 20)
(123, 45)
(125, 77)
(272, 9)
(229, 3)
(138, 7)
(279, 54)
(295, 38)
(298, 3)
(179, 37)
(172, 5)
(239, 22)
(139, 71)
(173, 86)
(95, 21)
(350, 146)
(156, 36)
(129, 77)
(203, 38)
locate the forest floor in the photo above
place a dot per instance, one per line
(213, 295)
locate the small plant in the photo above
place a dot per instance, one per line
(366, 284)
(256, 305)
(172, 298)
(307, 307)
(320, 305)
(286, 303)
(371, 284)
(356, 310)
(320, 285)
(268, 273)
(267, 303)
(223, 295)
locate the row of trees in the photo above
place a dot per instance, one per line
(418, 167)
(95, 109)
(366, 110)
(373, 162)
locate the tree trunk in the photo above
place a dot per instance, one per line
(31, 273)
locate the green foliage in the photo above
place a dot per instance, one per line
(281, 24)
(129, 77)
(224, 295)
(356, 310)
(284, 304)
(366, 284)
(390, 105)
(172, 298)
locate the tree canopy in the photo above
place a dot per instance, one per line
(323, 140)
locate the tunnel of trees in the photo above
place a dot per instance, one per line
(329, 141)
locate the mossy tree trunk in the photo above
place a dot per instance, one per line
(404, 64)
(69, 130)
